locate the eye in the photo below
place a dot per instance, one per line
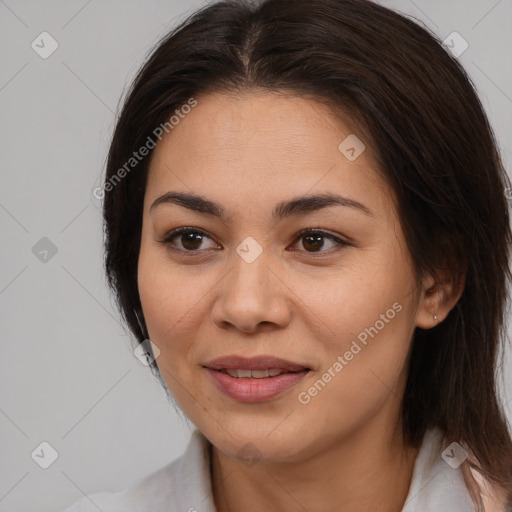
(314, 240)
(191, 239)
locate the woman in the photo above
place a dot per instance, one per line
(305, 213)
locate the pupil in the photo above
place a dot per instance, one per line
(192, 238)
(316, 241)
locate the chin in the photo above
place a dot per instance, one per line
(259, 443)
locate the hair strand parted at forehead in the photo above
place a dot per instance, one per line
(428, 129)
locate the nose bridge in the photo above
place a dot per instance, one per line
(251, 294)
(250, 271)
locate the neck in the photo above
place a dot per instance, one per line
(371, 469)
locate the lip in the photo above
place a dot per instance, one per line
(251, 390)
(233, 362)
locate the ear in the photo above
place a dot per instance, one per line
(439, 294)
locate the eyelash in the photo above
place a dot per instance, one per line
(303, 233)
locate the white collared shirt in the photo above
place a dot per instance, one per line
(184, 485)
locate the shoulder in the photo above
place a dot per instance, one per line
(493, 499)
(437, 481)
(440, 482)
(182, 485)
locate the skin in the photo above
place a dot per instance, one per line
(343, 450)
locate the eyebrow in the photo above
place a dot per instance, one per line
(294, 207)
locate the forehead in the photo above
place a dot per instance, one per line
(282, 123)
(260, 145)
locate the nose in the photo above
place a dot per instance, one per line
(252, 297)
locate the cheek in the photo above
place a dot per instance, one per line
(368, 310)
(164, 291)
(173, 299)
(359, 379)
(342, 302)
(158, 291)
(165, 307)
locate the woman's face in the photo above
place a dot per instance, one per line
(246, 284)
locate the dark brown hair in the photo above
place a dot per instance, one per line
(422, 116)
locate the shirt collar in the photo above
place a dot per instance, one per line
(435, 485)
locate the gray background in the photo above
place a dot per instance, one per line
(68, 375)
